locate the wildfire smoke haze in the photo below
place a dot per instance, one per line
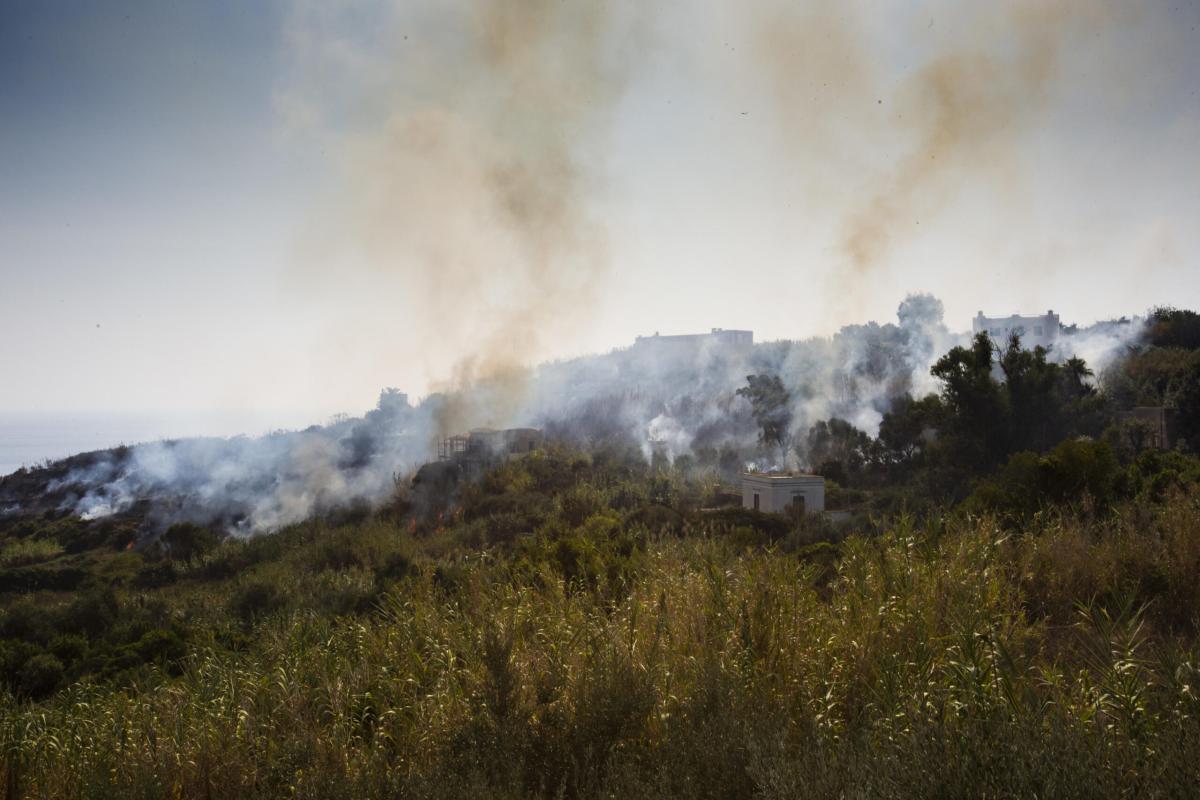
(599, 398)
(483, 174)
(460, 198)
(474, 198)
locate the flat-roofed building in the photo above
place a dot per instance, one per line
(1034, 331)
(718, 337)
(783, 492)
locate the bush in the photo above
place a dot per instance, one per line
(29, 551)
(27, 620)
(256, 599)
(397, 567)
(1027, 483)
(154, 576)
(186, 540)
(657, 519)
(69, 647)
(581, 502)
(161, 646)
(1155, 475)
(40, 675)
(773, 526)
(41, 578)
(91, 614)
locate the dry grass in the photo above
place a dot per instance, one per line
(951, 660)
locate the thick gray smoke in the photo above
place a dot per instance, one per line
(667, 398)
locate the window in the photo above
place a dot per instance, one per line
(756, 501)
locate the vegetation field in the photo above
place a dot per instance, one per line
(581, 627)
(1012, 610)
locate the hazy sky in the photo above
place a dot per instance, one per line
(288, 205)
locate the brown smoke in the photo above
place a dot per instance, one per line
(952, 121)
(474, 191)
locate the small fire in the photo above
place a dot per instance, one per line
(130, 545)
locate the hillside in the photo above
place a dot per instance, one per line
(1012, 609)
(583, 625)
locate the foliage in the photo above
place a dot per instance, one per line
(769, 405)
(186, 540)
(587, 624)
(944, 659)
(19, 552)
(838, 450)
(1174, 327)
(1076, 471)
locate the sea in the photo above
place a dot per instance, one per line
(30, 438)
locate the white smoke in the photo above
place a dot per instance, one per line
(256, 485)
(665, 400)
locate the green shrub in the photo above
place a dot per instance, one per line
(41, 578)
(1074, 470)
(256, 599)
(657, 519)
(398, 566)
(580, 502)
(161, 647)
(28, 551)
(773, 526)
(40, 675)
(185, 541)
(68, 647)
(933, 655)
(91, 613)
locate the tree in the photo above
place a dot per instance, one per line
(975, 428)
(769, 405)
(1034, 402)
(838, 449)
(1173, 327)
(1028, 482)
(904, 430)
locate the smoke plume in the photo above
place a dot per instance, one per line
(470, 191)
(979, 80)
(664, 397)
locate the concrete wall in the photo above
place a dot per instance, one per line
(776, 492)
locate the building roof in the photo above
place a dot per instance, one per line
(781, 476)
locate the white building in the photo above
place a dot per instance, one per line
(783, 492)
(1034, 331)
(694, 341)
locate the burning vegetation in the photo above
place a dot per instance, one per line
(897, 561)
(860, 406)
(583, 611)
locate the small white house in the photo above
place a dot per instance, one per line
(783, 492)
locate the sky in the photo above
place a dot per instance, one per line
(280, 207)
